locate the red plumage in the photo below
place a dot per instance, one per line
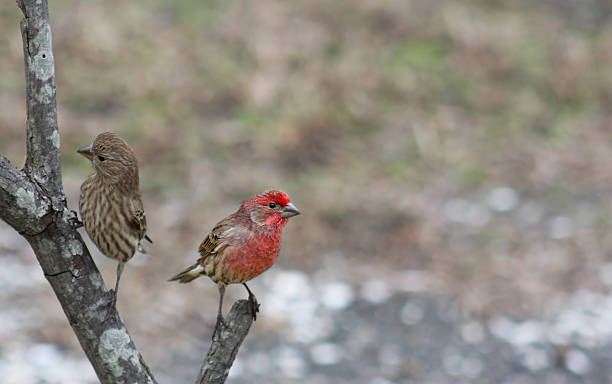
(243, 245)
(268, 197)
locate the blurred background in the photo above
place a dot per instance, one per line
(451, 160)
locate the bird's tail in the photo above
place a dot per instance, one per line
(189, 274)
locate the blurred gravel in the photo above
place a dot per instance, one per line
(315, 330)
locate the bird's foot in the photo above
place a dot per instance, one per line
(220, 323)
(74, 220)
(254, 305)
(112, 304)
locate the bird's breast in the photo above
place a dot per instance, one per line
(106, 216)
(243, 263)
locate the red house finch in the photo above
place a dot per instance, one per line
(243, 245)
(110, 204)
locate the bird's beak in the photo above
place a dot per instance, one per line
(86, 151)
(289, 211)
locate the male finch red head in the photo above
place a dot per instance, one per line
(243, 245)
(110, 204)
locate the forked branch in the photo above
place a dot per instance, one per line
(32, 201)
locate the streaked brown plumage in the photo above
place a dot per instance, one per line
(243, 245)
(110, 204)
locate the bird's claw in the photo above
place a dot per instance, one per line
(254, 306)
(220, 323)
(112, 304)
(74, 220)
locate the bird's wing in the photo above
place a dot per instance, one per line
(139, 220)
(223, 235)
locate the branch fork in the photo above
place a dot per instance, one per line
(32, 201)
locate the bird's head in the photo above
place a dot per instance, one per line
(112, 158)
(270, 207)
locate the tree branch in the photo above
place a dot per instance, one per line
(34, 204)
(22, 205)
(223, 350)
(43, 162)
(32, 201)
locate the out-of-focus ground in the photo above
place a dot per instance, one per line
(451, 160)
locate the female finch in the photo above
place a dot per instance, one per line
(110, 204)
(243, 245)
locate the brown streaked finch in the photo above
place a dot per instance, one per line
(243, 245)
(110, 204)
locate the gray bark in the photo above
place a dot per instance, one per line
(43, 164)
(222, 352)
(32, 201)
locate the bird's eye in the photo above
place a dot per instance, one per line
(272, 205)
(101, 158)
